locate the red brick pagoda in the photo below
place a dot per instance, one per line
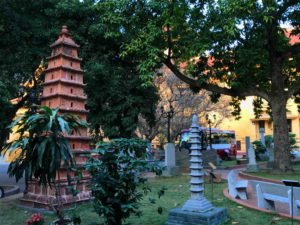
(63, 88)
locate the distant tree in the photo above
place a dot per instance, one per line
(185, 103)
(232, 47)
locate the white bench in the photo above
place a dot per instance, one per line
(269, 193)
(237, 188)
(296, 199)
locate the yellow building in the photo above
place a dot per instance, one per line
(248, 125)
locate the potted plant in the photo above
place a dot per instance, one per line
(43, 148)
(36, 219)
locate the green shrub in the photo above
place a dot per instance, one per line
(259, 148)
(116, 176)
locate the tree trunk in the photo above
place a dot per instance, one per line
(282, 161)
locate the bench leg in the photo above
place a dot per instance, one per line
(242, 193)
(296, 211)
(262, 202)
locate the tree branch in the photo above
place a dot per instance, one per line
(292, 50)
(215, 88)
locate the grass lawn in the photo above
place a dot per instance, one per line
(229, 163)
(175, 196)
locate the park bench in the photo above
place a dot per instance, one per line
(269, 193)
(237, 188)
(296, 199)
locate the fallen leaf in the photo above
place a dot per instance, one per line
(234, 222)
(277, 218)
(240, 207)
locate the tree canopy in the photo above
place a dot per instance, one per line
(27, 28)
(232, 47)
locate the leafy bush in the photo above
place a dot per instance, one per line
(116, 176)
(292, 141)
(259, 148)
(43, 148)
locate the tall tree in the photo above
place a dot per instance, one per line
(231, 47)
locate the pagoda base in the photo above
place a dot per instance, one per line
(215, 216)
(42, 203)
(41, 198)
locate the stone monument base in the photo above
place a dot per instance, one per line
(170, 171)
(214, 216)
(252, 168)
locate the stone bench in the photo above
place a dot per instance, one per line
(269, 193)
(237, 188)
(296, 199)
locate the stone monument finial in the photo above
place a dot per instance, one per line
(64, 31)
(195, 122)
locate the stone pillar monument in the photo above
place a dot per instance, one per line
(197, 210)
(247, 141)
(262, 136)
(252, 166)
(170, 161)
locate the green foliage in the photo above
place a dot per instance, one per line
(292, 141)
(116, 95)
(259, 148)
(114, 87)
(116, 176)
(249, 51)
(269, 140)
(42, 144)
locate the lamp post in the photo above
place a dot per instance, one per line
(209, 121)
(168, 115)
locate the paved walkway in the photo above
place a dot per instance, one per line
(5, 179)
(281, 208)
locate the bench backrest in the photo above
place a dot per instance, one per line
(271, 188)
(232, 177)
(296, 193)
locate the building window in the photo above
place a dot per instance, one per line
(49, 104)
(72, 77)
(51, 90)
(73, 146)
(71, 63)
(289, 122)
(71, 91)
(261, 124)
(71, 104)
(52, 76)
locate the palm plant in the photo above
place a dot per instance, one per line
(42, 145)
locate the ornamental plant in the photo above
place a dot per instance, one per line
(116, 178)
(43, 147)
(36, 219)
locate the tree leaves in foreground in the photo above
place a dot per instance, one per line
(42, 144)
